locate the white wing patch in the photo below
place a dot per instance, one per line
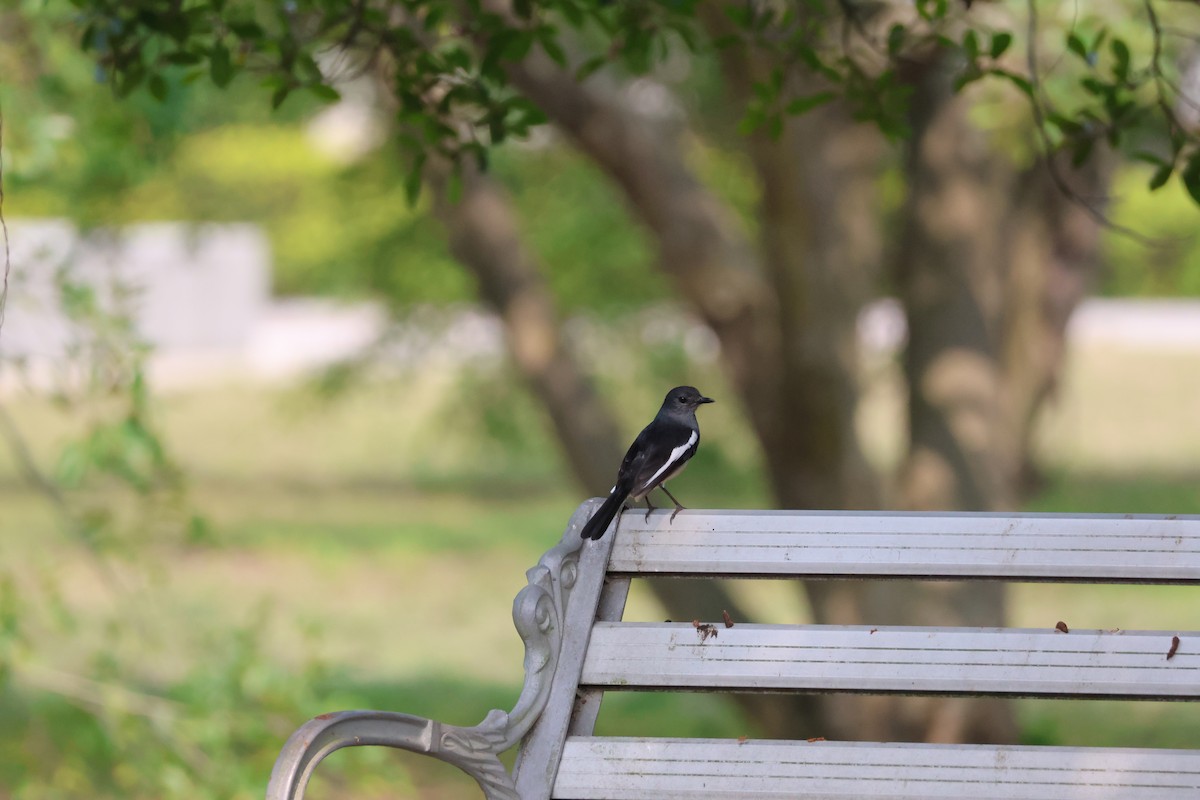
(676, 454)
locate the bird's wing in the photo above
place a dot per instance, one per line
(631, 465)
(665, 450)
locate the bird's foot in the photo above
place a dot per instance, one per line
(678, 505)
(649, 508)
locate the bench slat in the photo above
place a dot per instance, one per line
(674, 769)
(831, 544)
(894, 659)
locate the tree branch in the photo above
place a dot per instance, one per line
(710, 262)
(484, 237)
(1036, 104)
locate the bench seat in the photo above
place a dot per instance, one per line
(685, 769)
(910, 660)
(578, 648)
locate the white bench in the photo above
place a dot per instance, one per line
(569, 616)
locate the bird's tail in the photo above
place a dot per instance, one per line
(598, 524)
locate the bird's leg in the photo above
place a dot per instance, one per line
(649, 506)
(678, 505)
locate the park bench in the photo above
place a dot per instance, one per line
(577, 647)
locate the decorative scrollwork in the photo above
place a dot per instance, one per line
(538, 613)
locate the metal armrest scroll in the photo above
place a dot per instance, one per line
(538, 612)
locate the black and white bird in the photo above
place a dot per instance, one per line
(658, 454)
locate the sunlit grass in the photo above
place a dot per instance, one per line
(381, 537)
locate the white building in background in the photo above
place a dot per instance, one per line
(200, 288)
(200, 295)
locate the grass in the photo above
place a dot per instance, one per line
(357, 560)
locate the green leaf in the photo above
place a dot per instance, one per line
(813, 61)
(573, 15)
(1149, 158)
(930, 10)
(777, 77)
(1000, 43)
(895, 39)
(1191, 176)
(587, 68)
(1094, 86)
(1081, 150)
(220, 66)
(158, 87)
(775, 126)
(279, 95)
(523, 115)
(807, 103)
(1161, 176)
(740, 15)
(247, 30)
(971, 74)
(518, 47)
(455, 55)
(454, 185)
(1076, 46)
(133, 76)
(752, 120)
(412, 183)
(553, 48)
(1020, 81)
(688, 36)
(88, 38)
(1120, 52)
(182, 58)
(497, 132)
(433, 18)
(1064, 123)
(324, 92)
(970, 44)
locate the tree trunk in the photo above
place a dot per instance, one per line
(991, 263)
(485, 238)
(1052, 265)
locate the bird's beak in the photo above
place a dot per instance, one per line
(704, 400)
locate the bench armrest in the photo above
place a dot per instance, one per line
(473, 750)
(538, 613)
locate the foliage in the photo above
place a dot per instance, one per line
(342, 229)
(449, 65)
(117, 495)
(1171, 266)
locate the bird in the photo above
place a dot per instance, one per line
(658, 454)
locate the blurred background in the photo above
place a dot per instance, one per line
(281, 428)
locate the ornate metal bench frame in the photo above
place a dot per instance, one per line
(543, 612)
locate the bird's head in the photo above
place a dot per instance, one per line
(685, 398)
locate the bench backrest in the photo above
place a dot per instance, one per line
(598, 652)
